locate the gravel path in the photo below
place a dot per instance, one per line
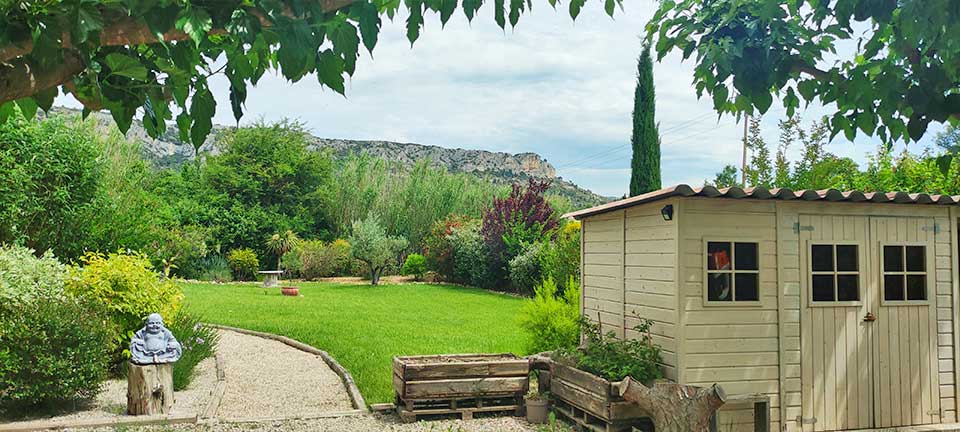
(267, 378)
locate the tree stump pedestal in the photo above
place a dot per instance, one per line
(149, 389)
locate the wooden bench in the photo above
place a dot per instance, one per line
(761, 411)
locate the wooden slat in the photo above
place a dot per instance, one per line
(452, 388)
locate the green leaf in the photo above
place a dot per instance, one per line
(943, 162)
(202, 108)
(44, 98)
(470, 8)
(720, 93)
(370, 23)
(414, 21)
(499, 13)
(195, 22)
(183, 126)
(609, 7)
(7, 110)
(124, 65)
(88, 20)
(762, 101)
(28, 107)
(447, 7)
(330, 71)
(575, 7)
(296, 49)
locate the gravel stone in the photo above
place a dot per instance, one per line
(267, 378)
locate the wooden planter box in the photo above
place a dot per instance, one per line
(459, 384)
(593, 402)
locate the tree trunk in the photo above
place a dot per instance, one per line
(675, 407)
(375, 275)
(149, 389)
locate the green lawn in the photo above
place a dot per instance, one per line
(363, 326)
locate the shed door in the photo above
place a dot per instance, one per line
(904, 335)
(835, 340)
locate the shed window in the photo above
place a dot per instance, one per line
(733, 272)
(904, 273)
(835, 272)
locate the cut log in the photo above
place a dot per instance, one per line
(149, 389)
(675, 407)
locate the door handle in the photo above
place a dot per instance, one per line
(869, 317)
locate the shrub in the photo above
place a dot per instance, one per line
(415, 265)
(199, 342)
(126, 286)
(614, 359)
(471, 261)
(49, 175)
(552, 319)
(319, 259)
(175, 246)
(371, 244)
(23, 276)
(215, 268)
(560, 258)
(244, 263)
(521, 218)
(51, 350)
(525, 270)
(437, 248)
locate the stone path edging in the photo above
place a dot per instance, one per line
(356, 399)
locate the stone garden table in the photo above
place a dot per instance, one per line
(271, 278)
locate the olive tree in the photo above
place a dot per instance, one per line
(371, 244)
(155, 55)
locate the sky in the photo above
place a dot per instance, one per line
(553, 86)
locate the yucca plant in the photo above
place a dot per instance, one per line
(280, 244)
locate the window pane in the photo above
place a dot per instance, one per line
(916, 287)
(847, 258)
(892, 258)
(915, 258)
(748, 287)
(823, 288)
(718, 287)
(848, 287)
(746, 256)
(893, 287)
(821, 257)
(718, 256)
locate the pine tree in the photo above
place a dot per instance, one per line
(645, 164)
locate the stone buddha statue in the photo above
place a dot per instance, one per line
(154, 344)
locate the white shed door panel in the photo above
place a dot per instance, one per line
(869, 362)
(836, 347)
(905, 332)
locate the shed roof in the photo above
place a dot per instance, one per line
(784, 194)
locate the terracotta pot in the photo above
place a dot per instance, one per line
(538, 411)
(290, 291)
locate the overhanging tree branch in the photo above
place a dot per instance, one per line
(20, 79)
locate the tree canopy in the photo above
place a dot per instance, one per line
(891, 67)
(155, 55)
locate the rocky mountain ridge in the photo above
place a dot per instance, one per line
(168, 151)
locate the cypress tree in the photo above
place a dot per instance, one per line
(645, 164)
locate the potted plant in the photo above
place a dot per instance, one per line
(290, 291)
(538, 406)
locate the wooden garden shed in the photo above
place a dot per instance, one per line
(841, 306)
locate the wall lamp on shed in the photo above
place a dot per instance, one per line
(667, 212)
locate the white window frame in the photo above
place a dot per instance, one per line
(732, 272)
(810, 273)
(929, 273)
